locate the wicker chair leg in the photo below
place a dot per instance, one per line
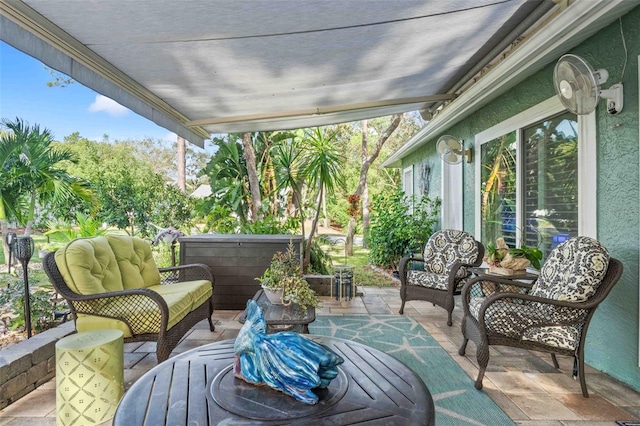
(555, 361)
(162, 352)
(483, 360)
(211, 326)
(583, 380)
(402, 307)
(478, 383)
(463, 347)
(449, 320)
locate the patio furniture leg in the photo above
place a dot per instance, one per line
(402, 307)
(579, 358)
(211, 326)
(555, 361)
(478, 383)
(463, 347)
(162, 352)
(483, 361)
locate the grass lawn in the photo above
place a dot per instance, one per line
(363, 274)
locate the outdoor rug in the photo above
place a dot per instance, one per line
(457, 402)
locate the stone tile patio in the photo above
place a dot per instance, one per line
(523, 383)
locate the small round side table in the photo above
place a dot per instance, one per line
(89, 377)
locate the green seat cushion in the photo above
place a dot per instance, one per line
(146, 320)
(135, 260)
(90, 322)
(198, 291)
(89, 266)
(179, 306)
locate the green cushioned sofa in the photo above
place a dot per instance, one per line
(113, 282)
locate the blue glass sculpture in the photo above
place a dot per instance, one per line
(285, 361)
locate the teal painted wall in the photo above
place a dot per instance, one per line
(612, 342)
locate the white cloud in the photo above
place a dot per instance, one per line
(111, 107)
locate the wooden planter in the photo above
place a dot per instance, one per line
(236, 261)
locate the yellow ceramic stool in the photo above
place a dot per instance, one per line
(89, 377)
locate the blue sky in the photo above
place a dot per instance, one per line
(63, 110)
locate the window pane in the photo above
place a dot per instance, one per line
(498, 203)
(551, 181)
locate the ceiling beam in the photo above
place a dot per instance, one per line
(320, 110)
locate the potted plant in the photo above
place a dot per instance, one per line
(510, 261)
(283, 282)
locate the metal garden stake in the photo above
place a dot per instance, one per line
(10, 239)
(23, 250)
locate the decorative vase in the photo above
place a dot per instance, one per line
(274, 296)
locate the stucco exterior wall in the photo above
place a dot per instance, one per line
(612, 343)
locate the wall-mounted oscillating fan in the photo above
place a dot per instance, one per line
(451, 150)
(578, 86)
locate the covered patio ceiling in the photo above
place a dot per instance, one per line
(199, 67)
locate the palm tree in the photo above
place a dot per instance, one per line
(32, 172)
(8, 190)
(323, 172)
(289, 176)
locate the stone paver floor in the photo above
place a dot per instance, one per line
(523, 383)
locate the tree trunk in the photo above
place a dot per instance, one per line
(254, 183)
(314, 224)
(182, 165)
(5, 246)
(365, 211)
(367, 160)
(351, 230)
(31, 215)
(324, 212)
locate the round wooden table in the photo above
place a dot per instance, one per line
(198, 388)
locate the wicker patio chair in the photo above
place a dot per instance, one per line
(551, 316)
(163, 309)
(446, 257)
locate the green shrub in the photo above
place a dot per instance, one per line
(12, 302)
(337, 212)
(394, 232)
(320, 260)
(62, 233)
(271, 225)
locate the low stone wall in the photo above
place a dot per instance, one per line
(321, 284)
(30, 363)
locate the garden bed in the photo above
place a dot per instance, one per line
(10, 311)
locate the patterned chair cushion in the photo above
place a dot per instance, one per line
(427, 279)
(573, 271)
(507, 318)
(446, 247)
(518, 320)
(563, 337)
(443, 249)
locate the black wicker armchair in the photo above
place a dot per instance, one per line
(447, 255)
(551, 316)
(162, 310)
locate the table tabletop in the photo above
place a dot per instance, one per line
(281, 317)
(198, 388)
(484, 272)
